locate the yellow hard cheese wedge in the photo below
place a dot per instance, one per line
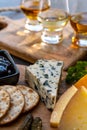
(82, 82)
(61, 105)
(75, 114)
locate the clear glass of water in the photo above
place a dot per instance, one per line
(54, 20)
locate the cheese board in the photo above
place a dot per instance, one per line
(39, 111)
(30, 47)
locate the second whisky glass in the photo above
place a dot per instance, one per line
(31, 9)
(54, 20)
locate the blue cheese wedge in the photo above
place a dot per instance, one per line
(44, 77)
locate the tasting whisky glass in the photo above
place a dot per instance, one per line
(54, 20)
(31, 9)
(78, 21)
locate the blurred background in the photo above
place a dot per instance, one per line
(10, 3)
(70, 6)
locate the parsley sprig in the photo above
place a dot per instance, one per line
(74, 73)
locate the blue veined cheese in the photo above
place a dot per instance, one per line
(44, 77)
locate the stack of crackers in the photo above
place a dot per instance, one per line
(15, 100)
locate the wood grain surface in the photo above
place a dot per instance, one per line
(40, 110)
(30, 47)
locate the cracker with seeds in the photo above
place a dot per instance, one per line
(4, 102)
(17, 104)
(31, 97)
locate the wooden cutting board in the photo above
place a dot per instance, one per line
(40, 110)
(30, 48)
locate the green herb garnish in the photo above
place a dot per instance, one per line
(76, 72)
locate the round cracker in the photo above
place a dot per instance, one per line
(17, 104)
(31, 97)
(4, 102)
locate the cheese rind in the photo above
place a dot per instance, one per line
(44, 77)
(81, 82)
(61, 105)
(75, 114)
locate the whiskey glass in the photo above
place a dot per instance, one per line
(54, 20)
(78, 21)
(31, 9)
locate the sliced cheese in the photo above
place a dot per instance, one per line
(75, 114)
(82, 82)
(61, 105)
